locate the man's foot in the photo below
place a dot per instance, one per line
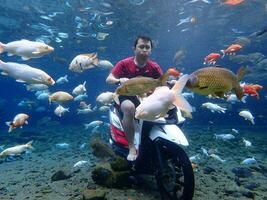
(132, 154)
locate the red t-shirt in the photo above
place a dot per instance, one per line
(127, 69)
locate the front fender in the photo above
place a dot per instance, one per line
(169, 132)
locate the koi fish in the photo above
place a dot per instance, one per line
(211, 59)
(233, 2)
(231, 49)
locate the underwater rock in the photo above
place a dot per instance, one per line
(208, 170)
(119, 164)
(106, 176)
(242, 172)
(102, 150)
(60, 175)
(248, 194)
(97, 194)
(251, 185)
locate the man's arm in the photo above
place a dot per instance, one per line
(111, 79)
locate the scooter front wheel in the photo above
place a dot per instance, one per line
(175, 176)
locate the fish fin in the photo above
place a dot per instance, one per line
(95, 62)
(4, 73)
(24, 58)
(20, 81)
(223, 53)
(2, 47)
(29, 144)
(183, 104)
(11, 126)
(116, 99)
(26, 122)
(179, 85)
(219, 94)
(10, 54)
(240, 74)
(239, 92)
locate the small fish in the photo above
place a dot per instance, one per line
(16, 150)
(105, 64)
(80, 89)
(252, 89)
(247, 143)
(93, 124)
(62, 145)
(233, 2)
(247, 116)
(214, 107)
(60, 97)
(232, 98)
(80, 163)
(231, 50)
(224, 137)
(83, 62)
(60, 110)
(43, 96)
(196, 158)
(235, 131)
(18, 121)
(211, 59)
(188, 95)
(81, 97)
(105, 98)
(216, 81)
(26, 49)
(62, 80)
(249, 161)
(25, 74)
(216, 157)
(205, 151)
(84, 111)
(82, 146)
(36, 87)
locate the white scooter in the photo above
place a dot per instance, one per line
(159, 144)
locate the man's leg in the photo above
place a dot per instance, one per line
(128, 109)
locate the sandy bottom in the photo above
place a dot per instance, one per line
(30, 177)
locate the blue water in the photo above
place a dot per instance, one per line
(216, 26)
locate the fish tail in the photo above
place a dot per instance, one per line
(223, 53)
(240, 74)
(11, 126)
(29, 144)
(2, 47)
(180, 101)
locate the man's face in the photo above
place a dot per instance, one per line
(143, 48)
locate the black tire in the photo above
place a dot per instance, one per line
(175, 177)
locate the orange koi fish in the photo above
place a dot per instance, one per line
(211, 59)
(173, 72)
(231, 49)
(233, 2)
(252, 90)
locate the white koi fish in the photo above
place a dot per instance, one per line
(25, 74)
(26, 49)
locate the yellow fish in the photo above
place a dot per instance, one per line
(216, 81)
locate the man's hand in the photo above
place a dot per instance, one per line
(122, 80)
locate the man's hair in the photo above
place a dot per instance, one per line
(146, 38)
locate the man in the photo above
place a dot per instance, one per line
(138, 65)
